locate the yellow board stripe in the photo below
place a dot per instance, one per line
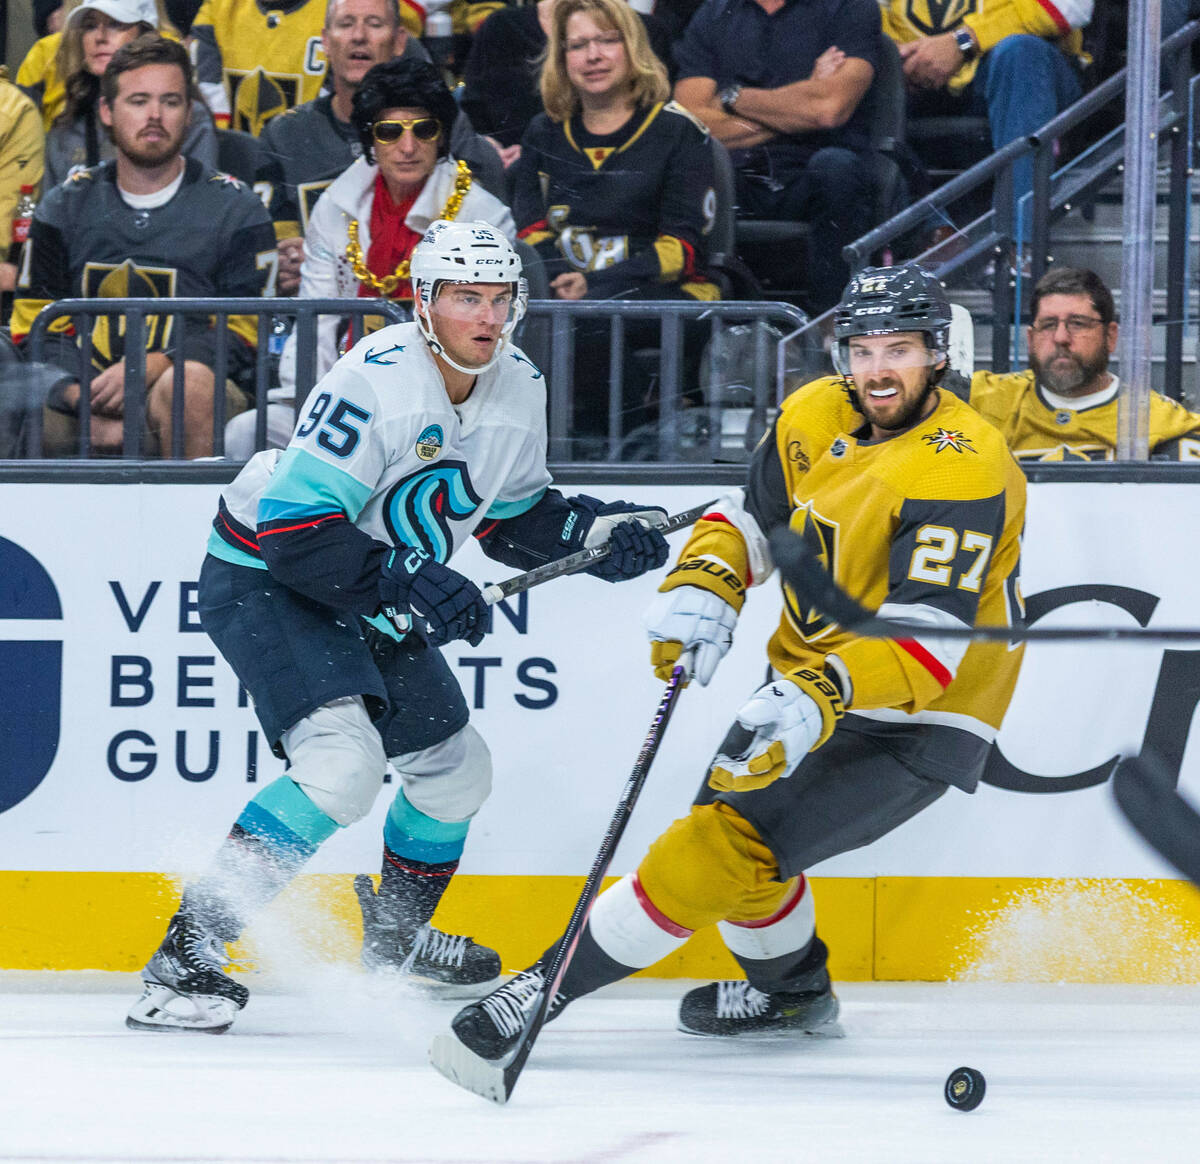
(887, 928)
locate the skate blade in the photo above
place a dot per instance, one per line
(458, 1063)
(435, 987)
(162, 1009)
(830, 1030)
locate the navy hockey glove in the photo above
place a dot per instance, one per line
(449, 605)
(637, 546)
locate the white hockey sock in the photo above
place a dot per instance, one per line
(630, 929)
(787, 931)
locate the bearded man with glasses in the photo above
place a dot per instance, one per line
(1064, 406)
(365, 225)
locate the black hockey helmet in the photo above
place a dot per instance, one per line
(879, 300)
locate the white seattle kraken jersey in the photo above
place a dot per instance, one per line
(379, 440)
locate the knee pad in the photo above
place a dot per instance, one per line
(448, 781)
(336, 756)
(708, 866)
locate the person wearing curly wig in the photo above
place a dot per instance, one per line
(365, 225)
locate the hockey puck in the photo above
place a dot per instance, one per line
(964, 1088)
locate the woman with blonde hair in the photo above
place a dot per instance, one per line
(93, 33)
(615, 184)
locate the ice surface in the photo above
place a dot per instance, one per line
(333, 1068)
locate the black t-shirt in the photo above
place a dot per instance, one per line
(737, 42)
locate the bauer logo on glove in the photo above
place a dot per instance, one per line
(776, 728)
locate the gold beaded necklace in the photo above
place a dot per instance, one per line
(385, 286)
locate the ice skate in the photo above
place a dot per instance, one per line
(735, 1008)
(492, 1026)
(185, 984)
(453, 965)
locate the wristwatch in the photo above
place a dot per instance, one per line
(728, 97)
(966, 43)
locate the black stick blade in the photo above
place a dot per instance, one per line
(1147, 796)
(813, 584)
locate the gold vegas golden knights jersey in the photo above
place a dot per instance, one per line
(256, 59)
(924, 526)
(1037, 430)
(990, 21)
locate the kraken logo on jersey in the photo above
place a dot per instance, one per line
(417, 511)
(127, 280)
(258, 96)
(931, 17)
(821, 536)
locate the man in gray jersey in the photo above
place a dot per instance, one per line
(304, 149)
(128, 227)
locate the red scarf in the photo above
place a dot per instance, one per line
(391, 240)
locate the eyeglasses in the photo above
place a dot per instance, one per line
(1075, 324)
(423, 129)
(603, 40)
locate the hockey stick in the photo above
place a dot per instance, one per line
(496, 1080)
(814, 586)
(1147, 796)
(577, 561)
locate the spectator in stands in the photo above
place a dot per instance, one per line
(94, 32)
(1064, 406)
(256, 60)
(149, 223)
(38, 74)
(306, 148)
(614, 188)
(365, 225)
(1015, 61)
(501, 93)
(757, 73)
(21, 149)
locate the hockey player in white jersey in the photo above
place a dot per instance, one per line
(326, 588)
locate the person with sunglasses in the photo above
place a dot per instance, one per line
(1063, 407)
(328, 587)
(363, 228)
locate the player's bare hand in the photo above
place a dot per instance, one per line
(827, 63)
(931, 61)
(291, 256)
(569, 285)
(8, 277)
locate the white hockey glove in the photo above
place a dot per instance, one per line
(776, 727)
(688, 618)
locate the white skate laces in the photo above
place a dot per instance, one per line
(437, 948)
(509, 1006)
(738, 999)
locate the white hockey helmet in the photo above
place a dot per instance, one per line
(465, 252)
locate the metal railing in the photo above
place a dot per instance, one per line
(1005, 228)
(548, 333)
(549, 336)
(135, 313)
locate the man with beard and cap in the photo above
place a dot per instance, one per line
(1064, 406)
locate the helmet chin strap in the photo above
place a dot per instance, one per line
(435, 346)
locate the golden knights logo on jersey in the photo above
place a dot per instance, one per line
(307, 194)
(931, 17)
(127, 280)
(821, 536)
(255, 97)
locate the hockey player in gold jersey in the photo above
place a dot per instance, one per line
(1064, 406)
(916, 506)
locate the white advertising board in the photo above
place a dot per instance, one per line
(124, 745)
